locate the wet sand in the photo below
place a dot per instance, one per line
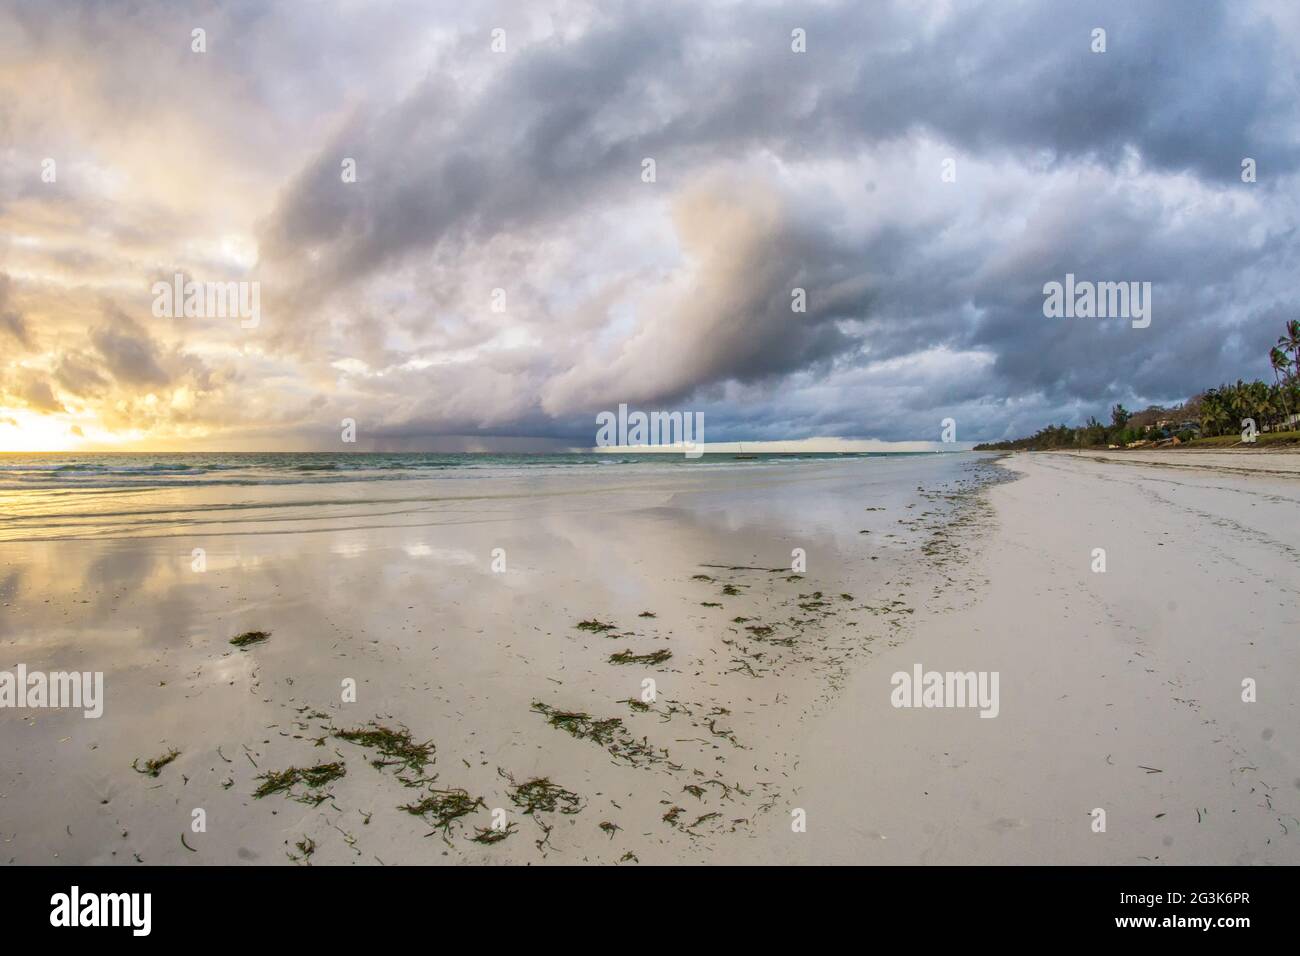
(394, 588)
(1119, 691)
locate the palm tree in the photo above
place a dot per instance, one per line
(1291, 343)
(1281, 372)
(1238, 408)
(1214, 411)
(1260, 402)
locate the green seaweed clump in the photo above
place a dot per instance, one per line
(609, 733)
(442, 808)
(627, 657)
(489, 835)
(248, 638)
(539, 795)
(580, 725)
(396, 747)
(283, 781)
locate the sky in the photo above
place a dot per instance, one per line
(503, 267)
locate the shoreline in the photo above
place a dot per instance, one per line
(521, 691)
(521, 681)
(1120, 690)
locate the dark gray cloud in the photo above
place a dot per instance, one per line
(821, 170)
(558, 129)
(12, 324)
(77, 375)
(128, 352)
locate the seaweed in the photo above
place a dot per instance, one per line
(441, 808)
(249, 638)
(727, 734)
(283, 781)
(627, 657)
(609, 733)
(398, 746)
(580, 725)
(539, 795)
(154, 766)
(595, 626)
(489, 835)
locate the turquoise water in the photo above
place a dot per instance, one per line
(22, 471)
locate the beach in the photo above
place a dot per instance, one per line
(652, 663)
(1120, 690)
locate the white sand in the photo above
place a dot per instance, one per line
(1099, 673)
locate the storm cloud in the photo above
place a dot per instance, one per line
(503, 267)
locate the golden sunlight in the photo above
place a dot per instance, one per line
(23, 430)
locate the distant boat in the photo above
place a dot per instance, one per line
(742, 456)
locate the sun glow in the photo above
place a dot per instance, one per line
(22, 430)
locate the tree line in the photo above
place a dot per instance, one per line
(1217, 411)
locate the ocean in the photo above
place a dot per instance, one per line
(51, 496)
(27, 471)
